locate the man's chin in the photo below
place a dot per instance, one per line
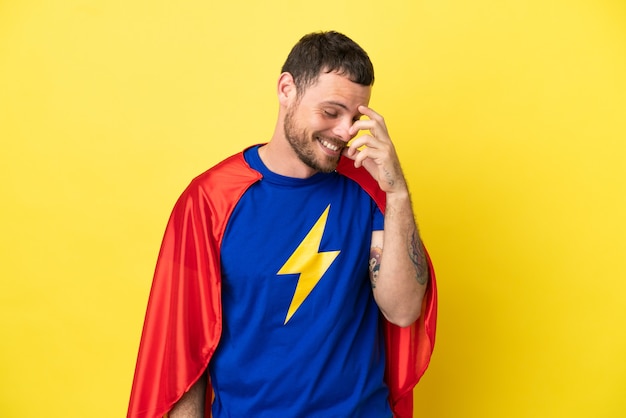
(330, 165)
(322, 164)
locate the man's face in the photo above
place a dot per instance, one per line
(317, 124)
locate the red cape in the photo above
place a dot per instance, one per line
(183, 321)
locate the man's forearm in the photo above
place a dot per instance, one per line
(403, 273)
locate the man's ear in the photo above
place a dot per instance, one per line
(287, 91)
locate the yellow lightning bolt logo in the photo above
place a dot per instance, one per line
(309, 262)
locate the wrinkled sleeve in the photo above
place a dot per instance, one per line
(183, 318)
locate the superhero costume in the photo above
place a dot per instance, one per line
(184, 316)
(301, 334)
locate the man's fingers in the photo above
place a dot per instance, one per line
(350, 152)
(362, 125)
(360, 157)
(370, 113)
(361, 141)
(375, 124)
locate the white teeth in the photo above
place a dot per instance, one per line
(329, 145)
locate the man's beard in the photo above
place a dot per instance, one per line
(304, 145)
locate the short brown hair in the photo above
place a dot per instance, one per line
(329, 52)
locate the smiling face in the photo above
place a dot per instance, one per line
(317, 122)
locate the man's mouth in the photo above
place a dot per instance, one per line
(331, 145)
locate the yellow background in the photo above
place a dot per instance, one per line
(509, 117)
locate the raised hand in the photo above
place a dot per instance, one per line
(376, 152)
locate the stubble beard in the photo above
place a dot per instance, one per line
(303, 145)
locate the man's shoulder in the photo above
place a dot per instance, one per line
(224, 182)
(231, 171)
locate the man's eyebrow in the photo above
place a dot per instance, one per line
(334, 103)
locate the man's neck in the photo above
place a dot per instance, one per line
(279, 158)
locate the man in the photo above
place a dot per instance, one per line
(277, 264)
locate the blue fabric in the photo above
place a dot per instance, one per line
(326, 357)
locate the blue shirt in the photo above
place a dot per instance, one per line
(301, 334)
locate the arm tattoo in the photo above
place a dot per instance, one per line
(416, 252)
(390, 180)
(375, 256)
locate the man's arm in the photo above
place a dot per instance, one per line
(191, 405)
(399, 274)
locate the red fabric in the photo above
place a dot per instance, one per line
(183, 320)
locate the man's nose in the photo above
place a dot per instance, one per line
(342, 130)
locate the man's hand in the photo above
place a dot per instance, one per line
(378, 154)
(398, 256)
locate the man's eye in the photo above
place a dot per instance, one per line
(330, 114)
